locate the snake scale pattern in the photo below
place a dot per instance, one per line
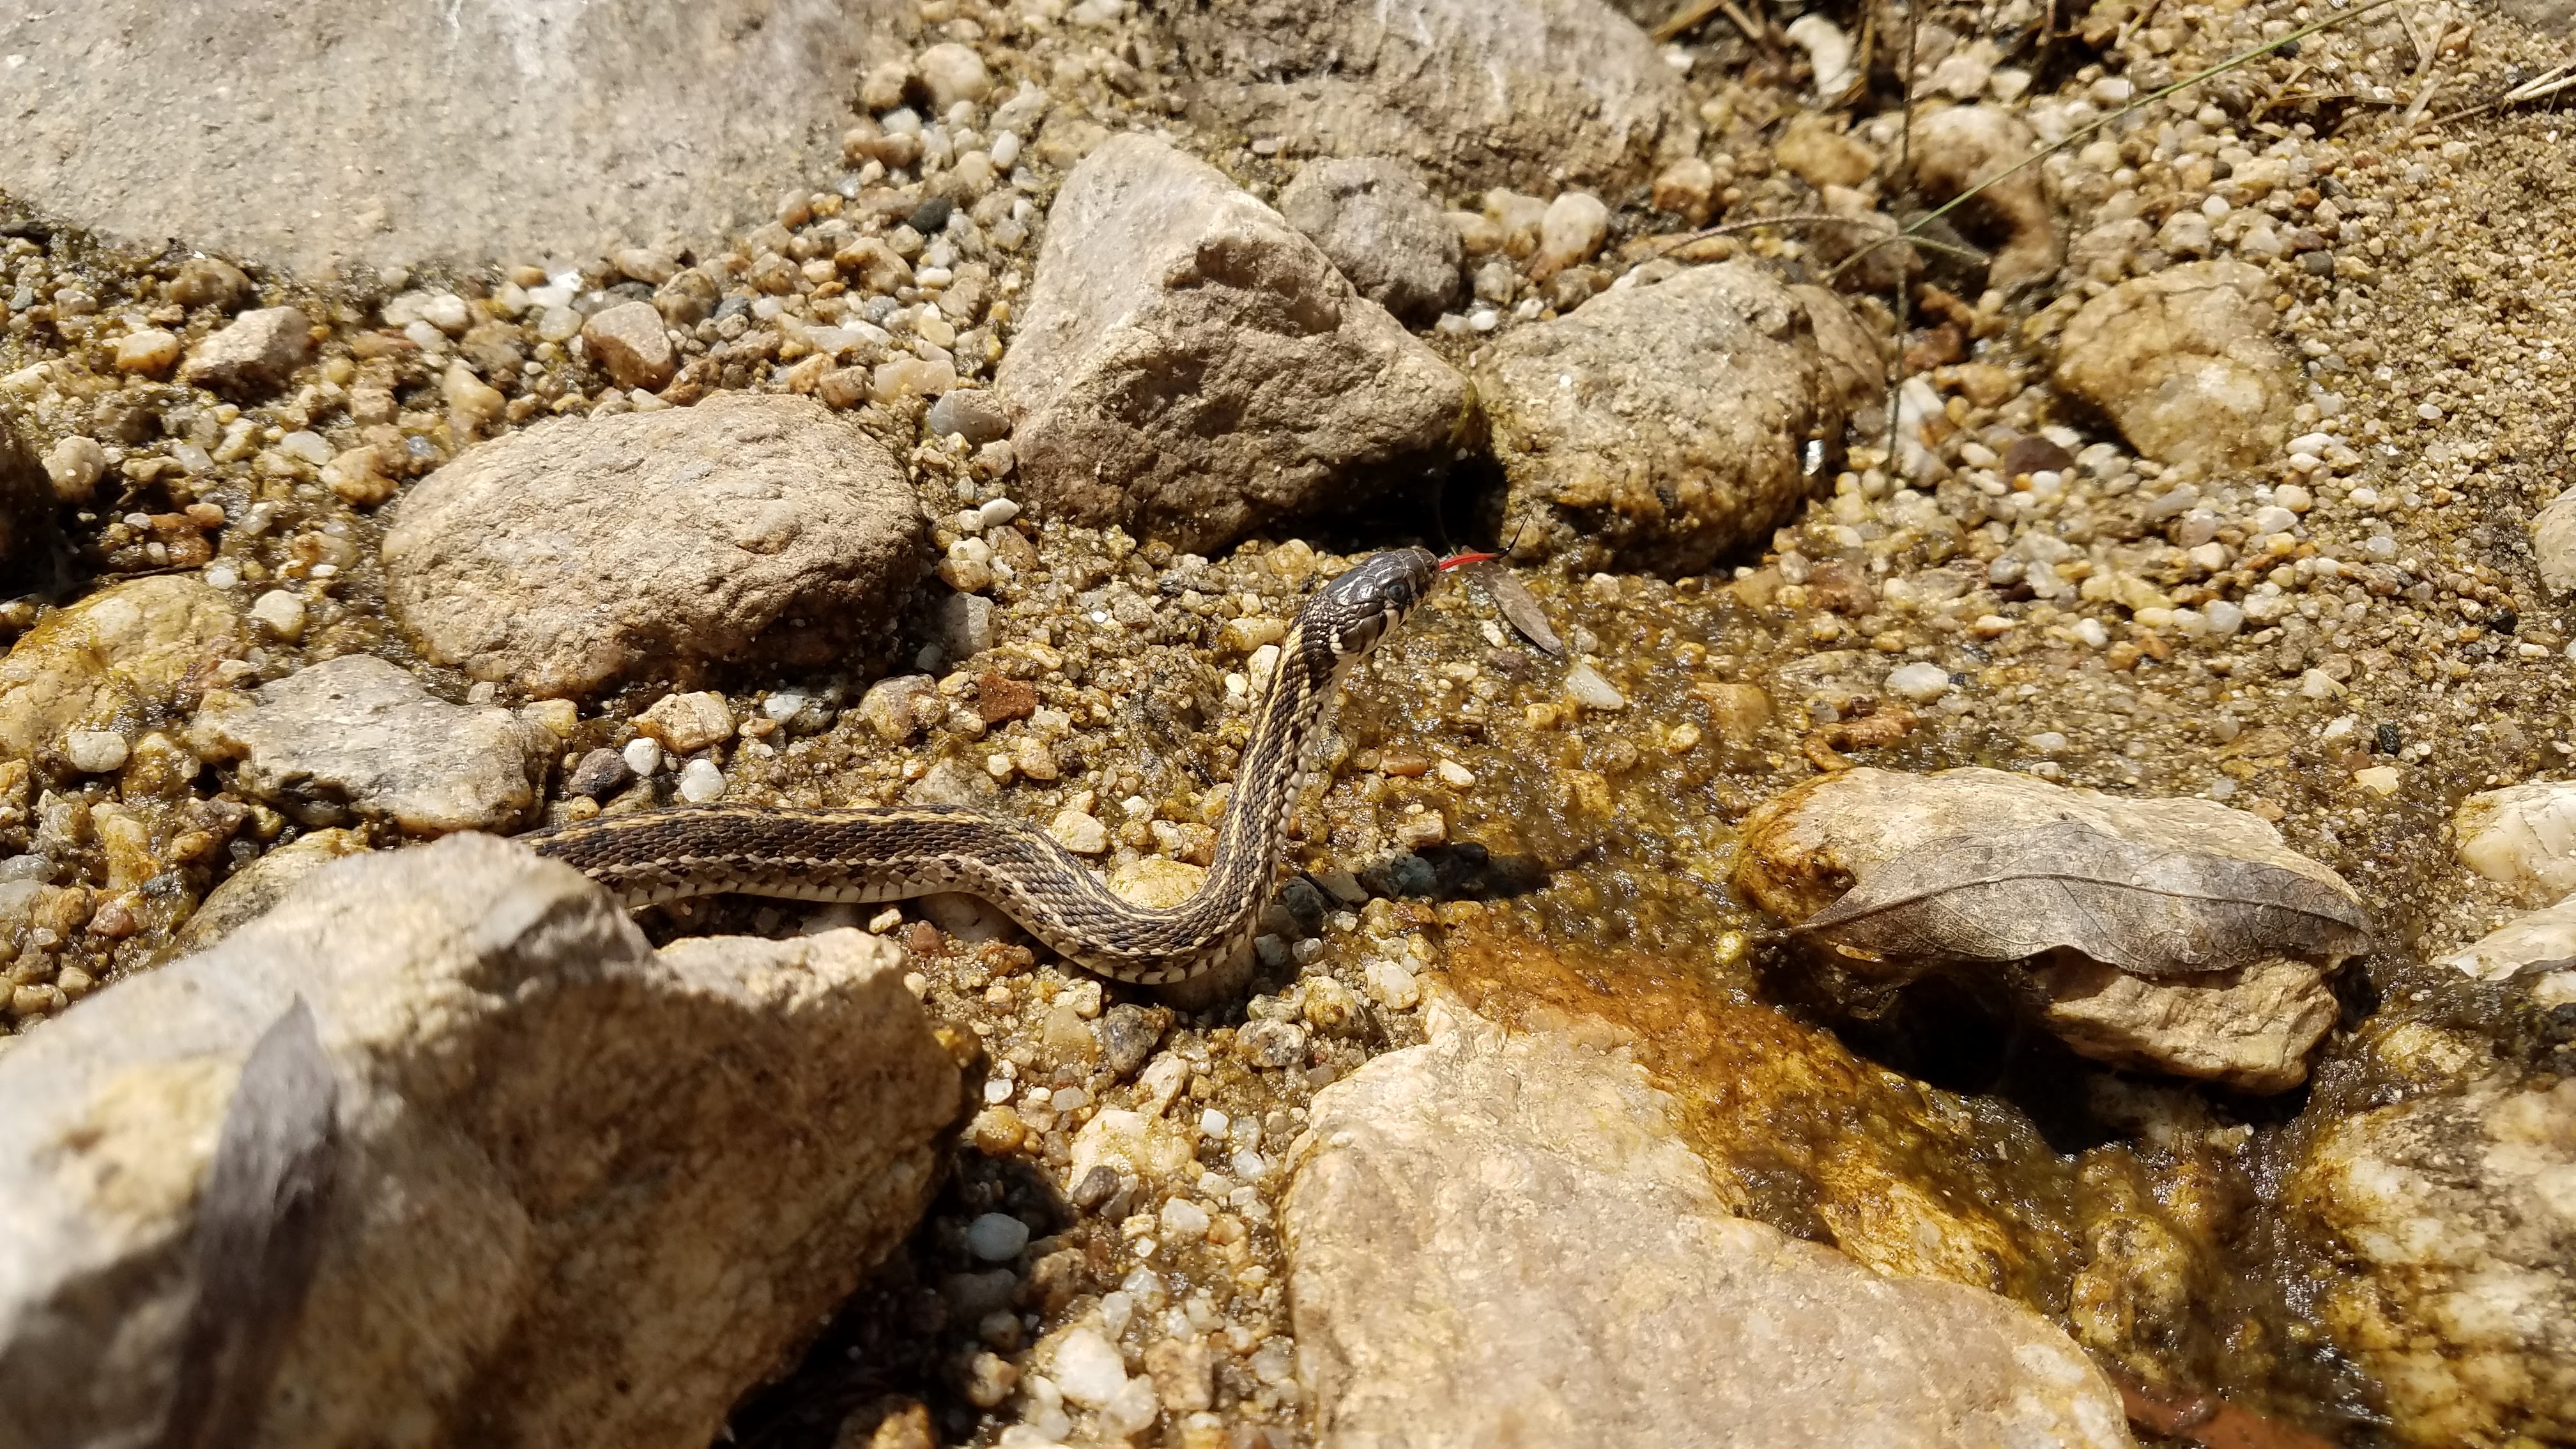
(866, 854)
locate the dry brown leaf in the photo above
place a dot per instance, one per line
(2145, 909)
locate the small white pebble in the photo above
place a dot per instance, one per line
(2047, 742)
(996, 513)
(1585, 686)
(1920, 682)
(1213, 1123)
(885, 920)
(281, 613)
(95, 751)
(701, 782)
(1184, 1221)
(643, 754)
(2091, 632)
(996, 1091)
(1456, 775)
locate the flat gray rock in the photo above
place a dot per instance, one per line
(1502, 1240)
(1383, 228)
(357, 738)
(1191, 367)
(576, 553)
(578, 1192)
(1658, 427)
(1538, 94)
(426, 130)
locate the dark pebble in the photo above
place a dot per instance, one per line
(2390, 741)
(598, 775)
(2318, 264)
(1098, 1186)
(931, 217)
(1401, 875)
(2036, 454)
(1306, 905)
(1129, 1034)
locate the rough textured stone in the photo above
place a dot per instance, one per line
(2537, 949)
(2522, 837)
(585, 1193)
(1535, 93)
(653, 544)
(393, 135)
(27, 497)
(1383, 228)
(358, 738)
(254, 890)
(253, 356)
(1963, 146)
(1659, 426)
(130, 656)
(629, 341)
(1501, 1239)
(2459, 1215)
(2251, 1027)
(2553, 543)
(2184, 363)
(1191, 367)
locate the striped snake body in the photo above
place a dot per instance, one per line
(871, 854)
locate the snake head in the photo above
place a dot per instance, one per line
(1357, 610)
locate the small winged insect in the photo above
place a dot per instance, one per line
(2149, 910)
(1512, 598)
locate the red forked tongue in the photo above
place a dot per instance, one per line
(1454, 560)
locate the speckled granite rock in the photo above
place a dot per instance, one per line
(750, 527)
(1520, 92)
(582, 1193)
(358, 739)
(2184, 363)
(1659, 426)
(1501, 1239)
(134, 654)
(1190, 366)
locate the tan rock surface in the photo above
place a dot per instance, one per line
(585, 1193)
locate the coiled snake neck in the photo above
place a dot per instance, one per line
(868, 854)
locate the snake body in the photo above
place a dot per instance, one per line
(866, 854)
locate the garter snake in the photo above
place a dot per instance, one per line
(866, 854)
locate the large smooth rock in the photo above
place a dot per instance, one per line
(2184, 363)
(358, 738)
(1383, 228)
(1658, 427)
(1530, 93)
(2250, 1027)
(1192, 367)
(1501, 1239)
(132, 655)
(577, 553)
(427, 130)
(2457, 1216)
(582, 1193)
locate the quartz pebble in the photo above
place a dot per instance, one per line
(1921, 682)
(94, 751)
(643, 755)
(281, 613)
(1585, 686)
(1088, 1368)
(701, 782)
